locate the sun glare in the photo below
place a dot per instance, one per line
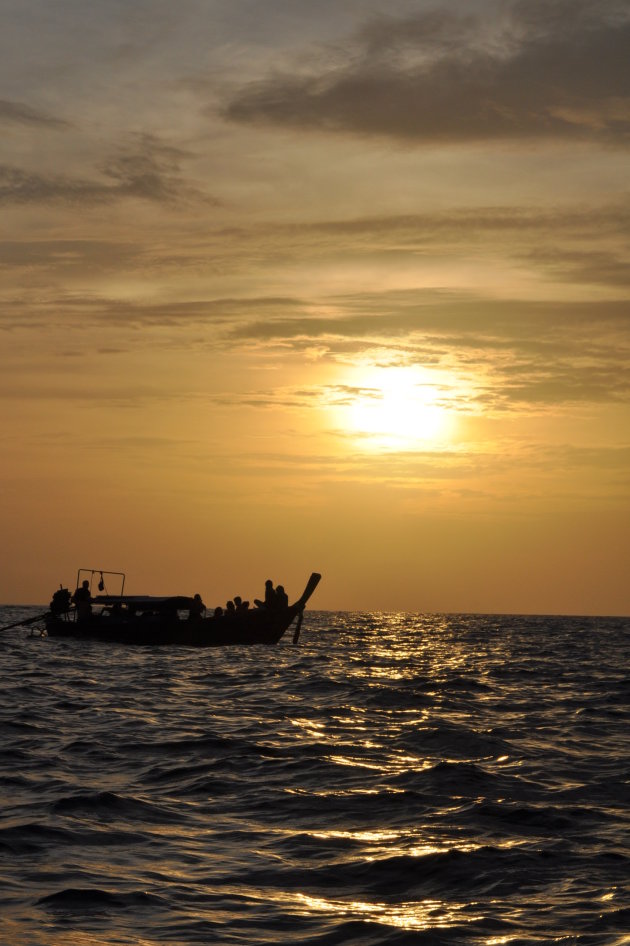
(396, 409)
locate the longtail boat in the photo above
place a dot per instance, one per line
(174, 620)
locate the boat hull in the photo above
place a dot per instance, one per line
(252, 627)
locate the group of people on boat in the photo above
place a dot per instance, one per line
(234, 606)
(274, 600)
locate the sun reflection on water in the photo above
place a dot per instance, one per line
(354, 762)
(340, 792)
(414, 915)
(397, 842)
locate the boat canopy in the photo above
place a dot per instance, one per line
(146, 602)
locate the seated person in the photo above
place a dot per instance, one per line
(197, 609)
(282, 598)
(270, 596)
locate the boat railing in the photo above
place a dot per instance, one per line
(103, 577)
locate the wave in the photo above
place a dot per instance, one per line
(88, 900)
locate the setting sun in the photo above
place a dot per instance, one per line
(396, 409)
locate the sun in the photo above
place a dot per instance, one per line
(398, 408)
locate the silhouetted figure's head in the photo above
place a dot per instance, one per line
(269, 592)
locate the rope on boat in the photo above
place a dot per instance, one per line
(24, 623)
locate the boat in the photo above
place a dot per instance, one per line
(174, 620)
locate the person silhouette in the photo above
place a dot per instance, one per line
(270, 596)
(196, 609)
(83, 600)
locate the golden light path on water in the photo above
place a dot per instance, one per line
(417, 842)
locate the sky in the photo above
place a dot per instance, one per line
(337, 286)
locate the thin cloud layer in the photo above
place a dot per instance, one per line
(21, 114)
(558, 70)
(579, 244)
(531, 354)
(517, 355)
(147, 170)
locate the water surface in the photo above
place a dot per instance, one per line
(394, 779)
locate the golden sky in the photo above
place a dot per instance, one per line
(338, 286)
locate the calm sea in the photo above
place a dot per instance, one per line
(393, 779)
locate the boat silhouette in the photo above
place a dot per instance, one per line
(173, 620)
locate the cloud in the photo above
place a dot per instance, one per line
(220, 315)
(21, 114)
(579, 244)
(80, 255)
(529, 352)
(554, 70)
(594, 267)
(151, 171)
(508, 354)
(450, 314)
(146, 170)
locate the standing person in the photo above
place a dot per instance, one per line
(83, 600)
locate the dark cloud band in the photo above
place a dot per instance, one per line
(554, 71)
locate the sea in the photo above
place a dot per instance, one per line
(393, 778)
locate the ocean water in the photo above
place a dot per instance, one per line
(393, 779)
